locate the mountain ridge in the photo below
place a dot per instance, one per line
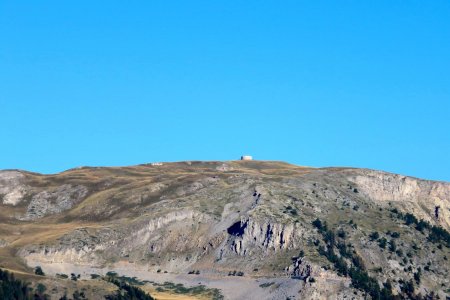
(87, 167)
(219, 217)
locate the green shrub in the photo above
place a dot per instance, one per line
(422, 225)
(374, 236)
(266, 284)
(382, 243)
(111, 274)
(392, 246)
(417, 275)
(410, 219)
(318, 224)
(38, 271)
(62, 276)
(395, 235)
(438, 234)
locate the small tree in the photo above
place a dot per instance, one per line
(64, 297)
(407, 287)
(317, 223)
(76, 295)
(38, 271)
(410, 219)
(392, 246)
(395, 235)
(417, 275)
(40, 288)
(374, 236)
(421, 225)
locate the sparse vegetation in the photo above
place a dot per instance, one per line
(290, 210)
(127, 291)
(358, 274)
(194, 291)
(392, 246)
(62, 276)
(15, 289)
(266, 284)
(81, 296)
(395, 235)
(436, 234)
(235, 273)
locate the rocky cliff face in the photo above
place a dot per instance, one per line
(417, 196)
(249, 234)
(254, 219)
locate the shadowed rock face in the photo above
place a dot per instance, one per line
(253, 218)
(237, 229)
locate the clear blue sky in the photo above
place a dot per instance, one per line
(319, 83)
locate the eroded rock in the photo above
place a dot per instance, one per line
(54, 201)
(3, 243)
(12, 188)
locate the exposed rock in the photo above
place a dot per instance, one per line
(300, 269)
(250, 236)
(3, 243)
(12, 188)
(247, 220)
(418, 196)
(224, 168)
(156, 187)
(51, 202)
